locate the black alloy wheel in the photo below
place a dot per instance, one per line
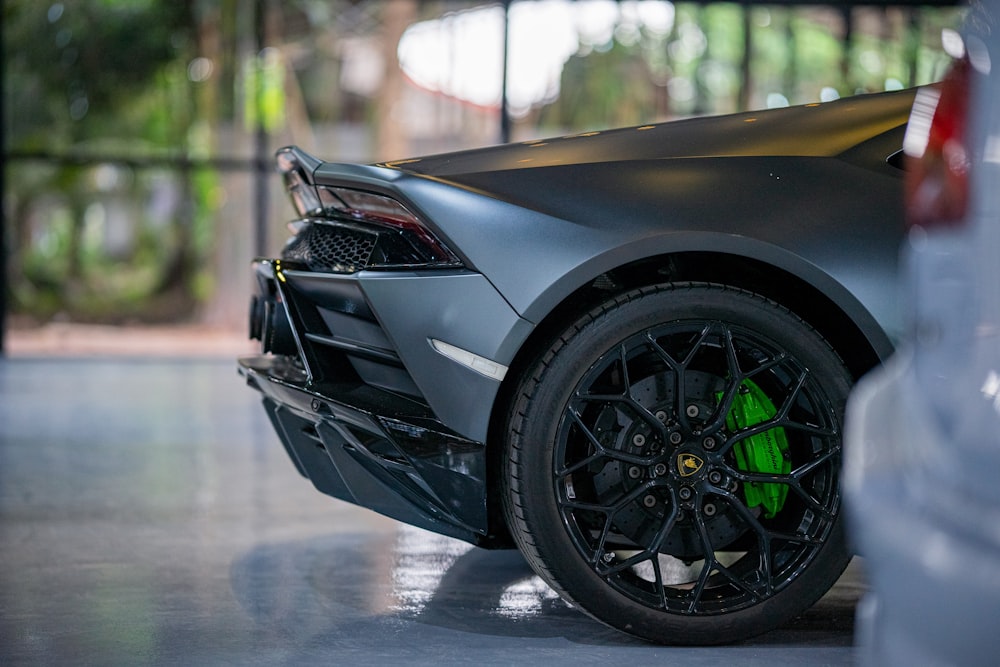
(673, 464)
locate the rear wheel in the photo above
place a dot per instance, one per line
(673, 462)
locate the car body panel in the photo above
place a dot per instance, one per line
(833, 127)
(726, 193)
(350, 450)
(773, 210)
(460, 310)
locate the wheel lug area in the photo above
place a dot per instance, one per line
(676, 438)
(716, 477)
(685, 493)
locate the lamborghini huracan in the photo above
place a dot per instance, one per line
(625, 353)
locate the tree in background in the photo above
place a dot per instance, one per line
(93, 77)
(178, 91)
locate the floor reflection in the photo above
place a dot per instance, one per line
(328, 587)
(148, 515)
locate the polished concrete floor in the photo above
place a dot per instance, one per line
(148, 515)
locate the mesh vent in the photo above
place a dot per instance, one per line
(331, 248)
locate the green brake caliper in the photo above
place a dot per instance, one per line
(765, 452)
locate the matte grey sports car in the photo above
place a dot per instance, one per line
(626, 352)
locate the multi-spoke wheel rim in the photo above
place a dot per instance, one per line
(651, 473)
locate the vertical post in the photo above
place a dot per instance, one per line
(746, 85)
(393, 140)
(505, 124)
(912, 41)
(848, 49)
(791, 82)
(3, 209)
(261, 159)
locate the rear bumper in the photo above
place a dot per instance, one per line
(381, 385)
(386, 329)
(375, 450)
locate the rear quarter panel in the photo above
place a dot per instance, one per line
(542, 233)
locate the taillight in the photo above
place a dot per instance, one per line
(354, 230)
(937, 178)
(390, 214)
(343, 229)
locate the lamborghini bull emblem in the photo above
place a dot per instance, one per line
(688, 464)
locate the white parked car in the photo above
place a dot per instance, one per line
(922, 452)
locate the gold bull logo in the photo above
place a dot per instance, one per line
(688, 464)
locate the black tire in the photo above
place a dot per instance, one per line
(650, 483)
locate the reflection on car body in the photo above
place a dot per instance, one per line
(625, 352)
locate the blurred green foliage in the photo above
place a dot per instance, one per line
(184, 80)
(98, 77)
(797, 55)
(72, 69)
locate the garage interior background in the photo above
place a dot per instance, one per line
(138, 137)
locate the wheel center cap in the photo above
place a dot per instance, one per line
(689, 464)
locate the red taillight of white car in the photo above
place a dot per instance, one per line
(937, 178)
